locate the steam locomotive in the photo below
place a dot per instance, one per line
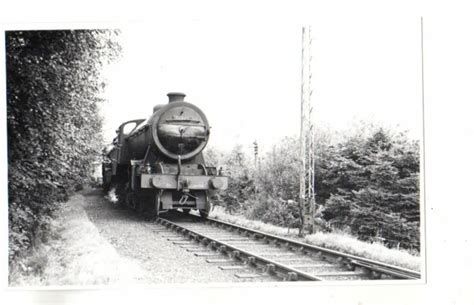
(156, 164)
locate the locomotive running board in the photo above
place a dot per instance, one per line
(169, 182)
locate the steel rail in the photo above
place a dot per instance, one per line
(349, 259)
(269, 266)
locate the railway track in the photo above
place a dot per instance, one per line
(254, 254)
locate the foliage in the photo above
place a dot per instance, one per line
(53, 87)
(272, 210)
(277, 175)
(277, 181)
(336, 240)
(367, 183)
(235, 166)
(375, 181)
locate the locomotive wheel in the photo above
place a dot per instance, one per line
(131, 201)
(140, 205)
(147, 202)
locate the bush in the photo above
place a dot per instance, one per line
(241, 185)
(53, 87)
(367, 183)
(284, 213)
(376, 188)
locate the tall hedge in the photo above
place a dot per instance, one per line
(54, 129)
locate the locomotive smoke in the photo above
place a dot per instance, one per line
(111, 196)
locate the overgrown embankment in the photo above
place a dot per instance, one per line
(53, 92)
(338, 241)
(73, 252)
(367, 184)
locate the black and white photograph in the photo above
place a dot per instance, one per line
(152, 155)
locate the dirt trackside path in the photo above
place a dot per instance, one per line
(159, 260)
(75, 254)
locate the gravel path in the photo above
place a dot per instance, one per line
(161, 260)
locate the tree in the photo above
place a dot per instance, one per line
(376, 184)
(54, 130)
(236, 166)
(277, 184)
(367, 183)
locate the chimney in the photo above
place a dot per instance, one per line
(176, 97)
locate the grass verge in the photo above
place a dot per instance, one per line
(74, 254)
(339, 241)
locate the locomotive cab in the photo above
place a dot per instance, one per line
(114, 156)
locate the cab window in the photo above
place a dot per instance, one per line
(127, 128)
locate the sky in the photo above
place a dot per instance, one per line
(246, 77)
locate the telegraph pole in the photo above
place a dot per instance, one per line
(307, 200)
